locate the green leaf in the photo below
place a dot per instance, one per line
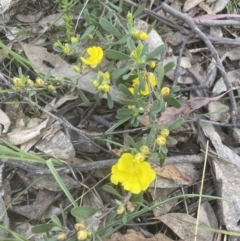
(116, 55)
(100, 36)
(124, 218)
(86, 16)
(83, 97)
(125, 111)
(124, 89)
(110, 189)
(162, 158)
(126, 118)
(128, 102)
(157, 106)
(176, 124)
(144, 49)
(131, 45)
(164, 150)
(56, 220)
(160, 75)
(87, 32)
(172, 140)
(139, 10)
(117, 73)
(43, 228)
(83, 212)
(175, 89)
(123, 40)
(152, 134)
(156, 52)
(107, 26)
(109, 101)
(172, 101)
(151, 26)
(131, 141)
(168, 67)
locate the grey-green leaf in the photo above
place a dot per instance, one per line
(107, 26)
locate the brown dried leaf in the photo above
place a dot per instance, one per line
(5, 121)
(172, 113)
(178, 223)
(132, 235)
(170, 172)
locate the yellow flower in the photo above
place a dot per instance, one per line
(76, 68)
(164, 132)
(143, 36)
(165, 91)
(82, 234)
(150, 80)
(40, 82)
(74, 40)
(161, 140)
(120, 209)
(152, 64)
(66, 49)
(95, 56)
(134, 176)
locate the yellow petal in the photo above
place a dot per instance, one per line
(125, 162)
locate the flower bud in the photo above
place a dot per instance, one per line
(133, 55)
(76, 68)
(129, 15)
(120, 209)
(82, 234)
(79, 226)
(106, 88)
(95, 83)
(58, 79)
(139, 157)
(144, 150)
(106, 76)
(141, 109)
(30, 83)
(152, 64)
(74, 40)
(51, 87)
(165, 91)
(161, 141)
(17, 82)
(136, 33)
(143, 36)
(90, 36)
(61, 236)
(40, 82)
(66, 49)
(164, 132)
(131, 106)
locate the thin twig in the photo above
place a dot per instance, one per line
(176, 72)
(62, 120)
(213, 51)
